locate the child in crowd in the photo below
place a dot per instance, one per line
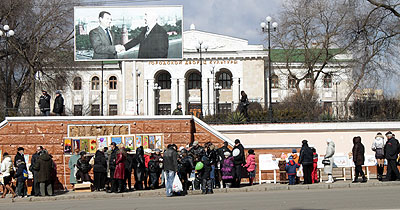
(251, 166)
(291, 167)
(314, 174)
(227, 169)
(21, 176)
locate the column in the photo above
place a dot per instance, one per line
(204, 94)
(182, 94)
(235, 92)
(174, 93)
(151, 98)
(146, 92)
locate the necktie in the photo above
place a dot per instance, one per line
(147, 32)
(108, 34)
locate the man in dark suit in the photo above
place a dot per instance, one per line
(102, 39)
(153, 39)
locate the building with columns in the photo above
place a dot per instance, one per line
(228, 66)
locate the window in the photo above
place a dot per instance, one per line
(328, 81)
(77, 110)
(113, 109)
(95, 83)
(274, 81)
(194, 81)
(113, 82)
(308, 81)
(164, 80)
(77, 83)
(95, 110)
(225, 80)
(164, 109)
(224, 108)
(291, 82)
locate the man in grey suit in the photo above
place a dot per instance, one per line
(102, 39)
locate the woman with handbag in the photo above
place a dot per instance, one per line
(328, 160)
(378, 147)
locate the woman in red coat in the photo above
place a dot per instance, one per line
(119, 173)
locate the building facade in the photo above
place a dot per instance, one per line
(207, 81)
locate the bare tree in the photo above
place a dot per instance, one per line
(42, 43)
(310, 37)
(390, 5)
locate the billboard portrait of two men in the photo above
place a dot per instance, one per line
(128, 33)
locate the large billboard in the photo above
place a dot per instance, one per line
(128, 33)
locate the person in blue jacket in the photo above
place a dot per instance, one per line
(290, 168)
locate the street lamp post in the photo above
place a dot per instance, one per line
(266, 28)
(156, 88)
(7, 33)
(137, 91)
(200, 47)
(216, 89)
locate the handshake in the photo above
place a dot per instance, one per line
(119, 48)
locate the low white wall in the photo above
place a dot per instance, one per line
(275, 135)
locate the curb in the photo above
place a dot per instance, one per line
(161, 192)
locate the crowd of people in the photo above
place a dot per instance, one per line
(388, 149)
(198, 167)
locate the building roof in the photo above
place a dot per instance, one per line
(298, 55)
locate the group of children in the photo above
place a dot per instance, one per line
(293, 165)
(227, 169)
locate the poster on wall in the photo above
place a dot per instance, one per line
(92, 145)
(128, 33)
(85, 145)
(67, 146)
(129, 142)
(138, 142)
(152, 142)
(76, 145)
(159, 142)
(116, 139)
(145, 142)
(102, 141)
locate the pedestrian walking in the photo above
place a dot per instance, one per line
(378, 147)
(58, 107)
(306, 160)
(170, 167)
(358, 158)
(44, 103)
(391, 150)
(7, 170)
(328, 160)
(251, 165)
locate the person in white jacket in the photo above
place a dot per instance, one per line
(330, 151)
(378, 147)
(7, 170)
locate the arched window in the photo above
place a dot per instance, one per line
(225, 80)
(291, 82)
(328, 81)
(308, 81)
(194, 81)
(274, 81)
(77, 83)
(164, 80)
(95, 83)
(113, 82)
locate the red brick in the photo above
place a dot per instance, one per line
(35, 139)
(26, 128)
(53, 138)
(153, 127)
(182, 138)
(10, 128)
(172, 127)
(186, 127)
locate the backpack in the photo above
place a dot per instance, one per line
(25, 174)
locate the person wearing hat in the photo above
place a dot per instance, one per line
(185, 167)
(377, 147)
(391, 151)
(178, 110)
(19, 156)
(238, 161)
(306, 160)
(58, 107)
(227, 170)
(44, 103)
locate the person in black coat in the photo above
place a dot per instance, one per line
(128, 169)
(153, 39)
(83, 168)
(185, 167)
(238, 161)
(112, 165)
(244, 103)
(58, 107)
(35, 186)
(221, 158)
(139, 168)
(155, 169)
(19, 156)
(19, 175)
(204, 174)
(306, 159)
(358, 158)
(100, 170)
(44, 103)
(391, 149)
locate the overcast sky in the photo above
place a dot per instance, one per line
(237, 18)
